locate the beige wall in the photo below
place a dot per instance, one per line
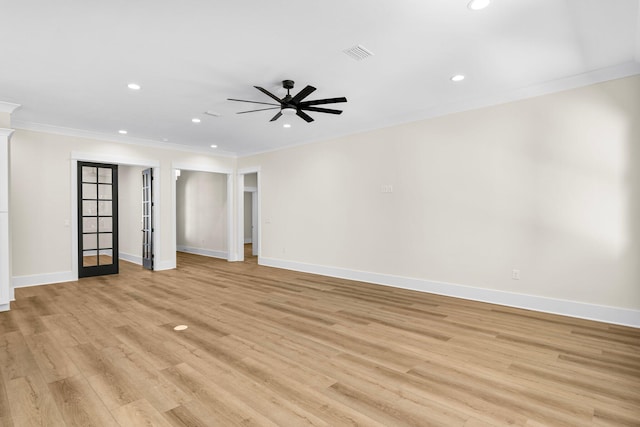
(41, 194)
(5, 120)
(201, 211)
(549, 186)
(251, 180)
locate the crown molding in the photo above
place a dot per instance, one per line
(80, 133)
(601, 75)
(627, 69)
(8, 107)
(638, 35)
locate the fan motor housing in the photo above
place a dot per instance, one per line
(287, 84)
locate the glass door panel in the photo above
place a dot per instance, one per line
(98, 221)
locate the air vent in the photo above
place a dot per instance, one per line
(358, 52)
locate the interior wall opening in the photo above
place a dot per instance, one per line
(251, 223)
(202, 213)
(130, 202)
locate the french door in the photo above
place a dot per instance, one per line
(97, 219)
(147, 219)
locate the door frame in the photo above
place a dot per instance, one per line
(255, 238)
(77, 156)
(240, 189)
(192, 167)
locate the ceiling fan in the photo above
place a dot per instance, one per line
(290, 105)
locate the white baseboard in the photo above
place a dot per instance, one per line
(43, 279)
(615, 315)
(204, 252)
(136, 259)
(4, 307)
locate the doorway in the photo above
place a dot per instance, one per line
(202, 213)
(97, 196)
(250, 223)
(249, 216)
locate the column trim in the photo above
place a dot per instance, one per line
(5, 241)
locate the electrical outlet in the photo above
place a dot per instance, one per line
(515, 274)
(388, 188)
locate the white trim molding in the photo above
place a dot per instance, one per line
(8, 107)
(205, 252)
(637, 56)
(600, 313)
(44, 279)
(100, 136)
(6, 291)
(198, 167)
(136, 259)
(119, 160)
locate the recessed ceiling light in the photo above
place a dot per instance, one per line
(286, 125)
(214, 146)
(122, 132)
(133, 86)
(457, 78)
(478, 4)
(180, 328)
(196, 120)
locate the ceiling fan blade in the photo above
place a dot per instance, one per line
(276, 117)
(269, 94)
(303, 94)
(322, 110)
(304, 115)
(252, 102)
(323, 101)
(260, 109)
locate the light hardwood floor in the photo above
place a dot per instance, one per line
(272, 347)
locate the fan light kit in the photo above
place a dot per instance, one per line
(478, 4)
(290, 105)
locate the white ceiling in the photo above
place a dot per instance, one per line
(68, 62)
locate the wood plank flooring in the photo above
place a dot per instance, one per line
(268, 347)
